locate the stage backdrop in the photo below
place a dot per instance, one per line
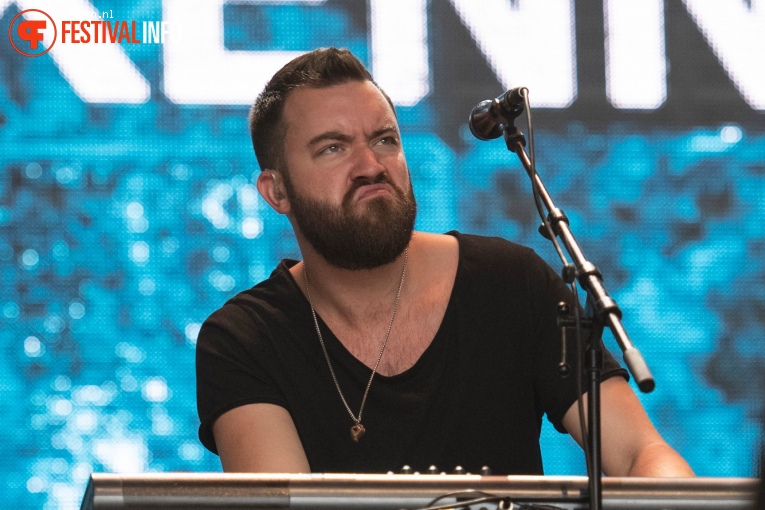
(128, 210)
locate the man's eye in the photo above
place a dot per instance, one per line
(330, 149)
(388, 140)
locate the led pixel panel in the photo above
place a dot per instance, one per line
(128, 210)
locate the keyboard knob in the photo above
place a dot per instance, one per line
(406, 470)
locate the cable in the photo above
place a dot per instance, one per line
(524, 92)
(503, 502)
(580, 400)
(533, 168)
(482, 497)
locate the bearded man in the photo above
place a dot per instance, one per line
(385, 346)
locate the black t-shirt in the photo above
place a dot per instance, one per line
(475, 397)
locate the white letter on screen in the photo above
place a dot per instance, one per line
(529, 44)
(200, 70)
(736, 34)
(636, 63)
(98, 73)
(400, 49)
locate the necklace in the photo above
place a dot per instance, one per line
(357, 429)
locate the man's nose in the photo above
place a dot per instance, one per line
(367, 163)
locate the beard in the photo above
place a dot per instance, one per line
(373, 235)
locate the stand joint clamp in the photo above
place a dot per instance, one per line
(514, 139)
(554, 218)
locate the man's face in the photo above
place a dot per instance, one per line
(346, 176)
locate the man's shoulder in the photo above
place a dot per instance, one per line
(473, 246)
(479, 253)
(472, 241)
(261, 302)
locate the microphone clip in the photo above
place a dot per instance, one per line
(490, 118)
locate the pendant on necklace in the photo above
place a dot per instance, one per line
(357, 432)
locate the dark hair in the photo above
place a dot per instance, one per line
(323, 67)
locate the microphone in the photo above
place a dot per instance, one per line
(490, 117)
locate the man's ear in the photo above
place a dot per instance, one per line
(271, 187)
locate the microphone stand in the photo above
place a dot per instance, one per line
(601, 311)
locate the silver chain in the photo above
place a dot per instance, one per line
(357, 420)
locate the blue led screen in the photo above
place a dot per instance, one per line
(128, 211)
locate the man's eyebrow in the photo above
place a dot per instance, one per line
(342, 137)
(385, 130)
(329, 135)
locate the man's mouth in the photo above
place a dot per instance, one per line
(373, 190)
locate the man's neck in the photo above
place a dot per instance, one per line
(352, 295)
(357, 306)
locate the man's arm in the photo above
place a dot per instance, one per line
(631, 446)
(259, 438)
